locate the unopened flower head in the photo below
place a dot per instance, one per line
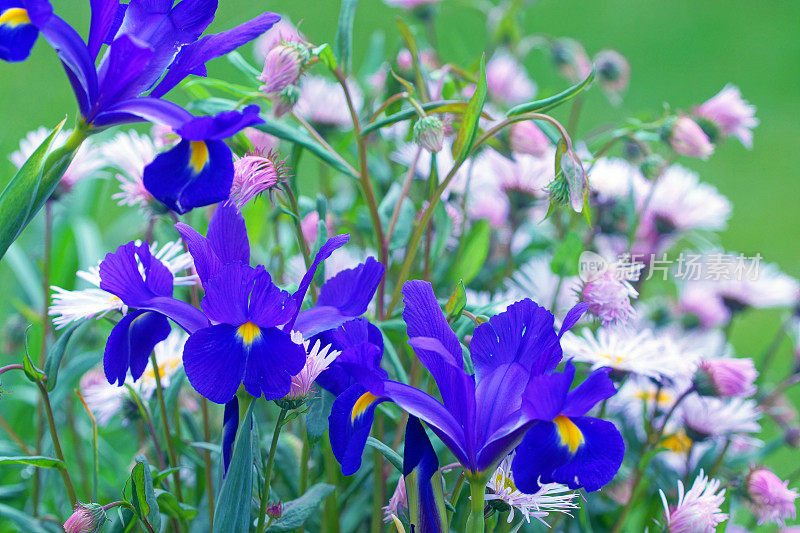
(698, 510)
(571, 59)
(526, 138)
(771, 499)
(609, 297)
(730, 114)
(688, 138)
(86, 518)
(281, 32)
(275, 510)
(282, 67)
(613, 73)
(429, 133)
(318, 358)
(726, 377)
(398, 503)
(254, 174)
(550, 498)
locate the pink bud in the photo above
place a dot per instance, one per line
(282, 67)
(689, 139)
(731, 114)
(729, 377)
(771, 499)
(254, 174)
(86, 518)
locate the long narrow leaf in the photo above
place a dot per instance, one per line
(468, 131)
(344, 34)
(232, 514)
(552, 101)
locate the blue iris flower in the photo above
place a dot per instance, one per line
(241, 334)
(482, 418)
(152, 46)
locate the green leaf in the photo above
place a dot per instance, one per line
(56, 354)
(566, 258)
(456, 303)
(33, 372)
(317, 417)
(468, 131)
(296, 512)
(24, 521)
(472, 254)
(391, 455)
(325, 54)
(242, 65)
(27, 274)
(288, 133)
(553, 101)
(344, 34)
(33, 460)
(169, 505)
(143, 497)
(232, 514)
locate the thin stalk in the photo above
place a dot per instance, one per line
(95, 453)
(320, 139)
(477, 490)
(173, 458)
(262, 510)
(208, 465)
(718, 462)
(304, 458)
(772, 349)
(298, 230)
(366, 183)
(386, 103)
(331, 520)
(455, 495)
(57, 444)
(14, 436)
(147, 417)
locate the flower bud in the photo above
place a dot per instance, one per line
(429, 133)
(792, 436)
(726, 377)
(254, 174)
(570, 59)
(652, 166)
(86, 518)
(613, 73)
(285, 100)
(687, 138)
(275, 510)
(526, 138)
(771, 500)
(282, 68)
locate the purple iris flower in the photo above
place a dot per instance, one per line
(148, 41)
(419, 466)
(242, 334)
(482, 418)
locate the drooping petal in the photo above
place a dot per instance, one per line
(333, 244)
(272, 359)
(17, 33)
(572, 317)
(523, 333)
(119, 275)
(71, 49)
(192, 174)
(349, 423)
(206, 262)
(227, 294)
(578, 452)
(344, 296)
(220, 126)
(104, 14)
(193, 57)
(214, 360)
(230, 423)
(420, 465)
(130, 343)
(596, 388)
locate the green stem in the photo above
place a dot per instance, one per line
(477, 490)
(57, 444)
(95, 453)
(173, 458)
(331, 506)
(262, 510)
(208, 465)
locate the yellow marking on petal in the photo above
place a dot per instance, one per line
(14, 16)
(571, 436)
(678, 442)
(248, 332)
(361, 405)
(198, 157)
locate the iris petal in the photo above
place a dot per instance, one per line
(227, 293)
(176, 179)
(130, 343)
(420, 464)
(350, 422)
(537, 456)
(596, 388)
(272, 360)
(214, 360)
(597, 459)
(17, 34)
(230, 423)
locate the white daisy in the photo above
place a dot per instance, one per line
(719, 417)
(550, 498)
(614, 179)
(697, 511)
(627, 350)
(130, 152)
(70, 306)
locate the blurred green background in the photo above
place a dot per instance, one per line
(681, 52)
